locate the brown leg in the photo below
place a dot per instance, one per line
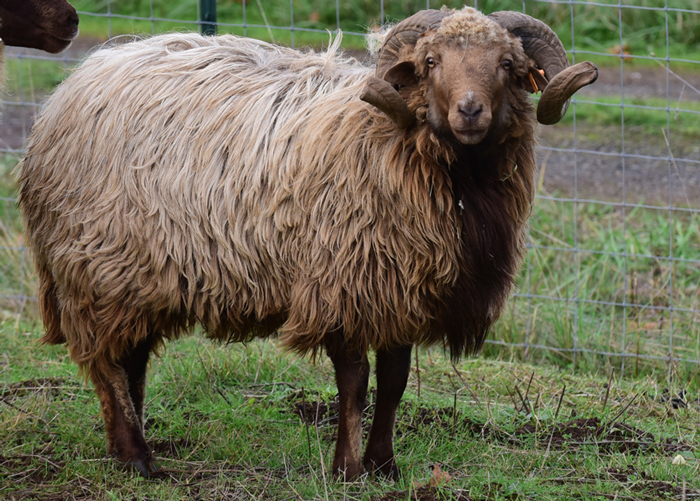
(352, 377)
(121, 389)
(393, 367)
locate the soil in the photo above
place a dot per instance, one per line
(596, 171)
(607, 437)
(50, 386)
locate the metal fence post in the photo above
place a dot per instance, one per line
(207, 20)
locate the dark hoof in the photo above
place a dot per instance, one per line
(386, 469)
(348, 473)
(144, 468)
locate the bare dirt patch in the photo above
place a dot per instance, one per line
(50, 386)
(607, 437)
(317, 413)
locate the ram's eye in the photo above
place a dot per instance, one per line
(507, 64)
(431, 62)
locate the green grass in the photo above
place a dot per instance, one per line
(222, 422)
(591, 265)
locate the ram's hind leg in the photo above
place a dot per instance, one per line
(393, 367)
(121, 390)
(352, 377)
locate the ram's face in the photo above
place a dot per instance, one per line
(462, 70)
(465, 87)
(49, 25)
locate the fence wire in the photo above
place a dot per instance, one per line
(612, 272)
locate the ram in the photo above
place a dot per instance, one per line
(254, 190)
(49, 25)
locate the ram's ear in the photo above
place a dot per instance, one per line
(382, 93)
(402, 74)
(534, 81)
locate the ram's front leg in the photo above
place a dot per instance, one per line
(352, 377)
(393, 367)
(121, 390)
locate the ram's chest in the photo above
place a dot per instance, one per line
(491, 235)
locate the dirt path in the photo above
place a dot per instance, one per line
(598, 170)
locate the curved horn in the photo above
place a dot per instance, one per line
(402, 38)
(382, 94)
(555, 98)
(397, 46)
(539, 42)
(543, 46)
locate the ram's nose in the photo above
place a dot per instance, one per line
(470, 111)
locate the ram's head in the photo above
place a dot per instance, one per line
(463, 65)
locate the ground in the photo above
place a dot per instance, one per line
(255, 422)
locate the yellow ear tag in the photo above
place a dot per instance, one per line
(534, 84)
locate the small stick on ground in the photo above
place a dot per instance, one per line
(512, 397)
(306, 421)
(607, 390)
(614, 420)
(521, 397)
(561, 398)
(466, 385)
(489, 416)
(454, 413)
(527, 390)
(551, 436)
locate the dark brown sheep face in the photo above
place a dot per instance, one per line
(49, 25)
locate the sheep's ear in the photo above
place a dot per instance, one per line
(534, 81)
(402, 74)
(381, 93)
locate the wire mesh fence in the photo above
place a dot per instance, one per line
(612, 274)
